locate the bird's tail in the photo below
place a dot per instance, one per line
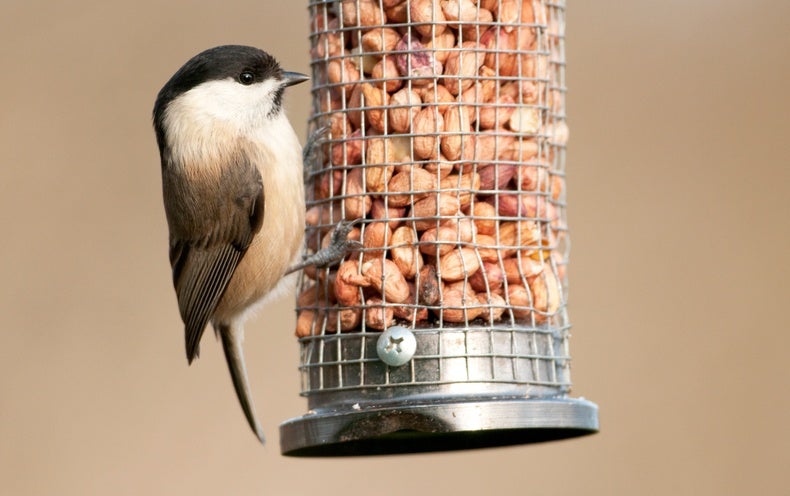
(232, 337)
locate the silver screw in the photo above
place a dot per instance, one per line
(396, 346)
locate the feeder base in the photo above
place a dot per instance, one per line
(437, 426)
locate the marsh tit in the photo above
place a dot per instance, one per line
(233, 193)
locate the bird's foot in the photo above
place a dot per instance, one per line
(338, 247)
(315, 138)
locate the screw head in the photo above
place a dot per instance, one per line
(396, 346)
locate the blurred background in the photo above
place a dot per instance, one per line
(678, 174)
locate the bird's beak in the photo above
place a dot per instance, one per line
(292, 78)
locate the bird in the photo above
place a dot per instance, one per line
(232, 184)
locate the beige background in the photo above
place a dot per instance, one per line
(678, 181)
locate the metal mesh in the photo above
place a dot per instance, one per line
(446, 138)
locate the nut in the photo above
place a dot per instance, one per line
(387, 72)
(495, 176)
(545, 294)
(489, 278)
(326, 45)
(329, 183)
(404, 105)
(368, 14)
(463, 227)
(313, 296)
(377, 315)
(410, 310)
(380, 40)
(501, 55)
(428, 210)
(465, 186)
(458, 264)
(458, 306)
(456, 124)
(459, 10)
(377, 176)
(428, 17)
(305, 324)
(493, 306)
(475, 28)
(397, 12)
(375, 237)
(487, 248)
(375, 100)
(416, 62)
(345, 319)
(522, 235)
(394, 215)
(342, 72)
(404, 251)
(462, 66)
(357, 203)
(442, 45)
(507, 13)
(418, 183)
(525, 120)
(354, 106)
(484, 216)
(387, 279)
(518, 268)
(438, 242)
(519, 300)
(348, 151)
(438, 96)
(428, 123)
(497, 112)
(428, 286)
(441, 167)
(528, 205)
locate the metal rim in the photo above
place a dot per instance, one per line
(439, 426)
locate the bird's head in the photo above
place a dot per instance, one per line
(237, 85)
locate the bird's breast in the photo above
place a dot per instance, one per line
(277, 154)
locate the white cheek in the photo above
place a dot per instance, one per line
(194, 119)
(227, 100)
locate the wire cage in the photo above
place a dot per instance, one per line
(442, 135)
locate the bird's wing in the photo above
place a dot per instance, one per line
(212, 223)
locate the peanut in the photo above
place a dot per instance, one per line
(380, 40)
(426, 127)
(405, 104)
(427, 211)
(375, 237)
(458, 264)
(428, 286)
(462, 66)
(490, 278)
(404, 251)
(387, 279)
(387, 72)
(368, 14)
(428, 17)
(377, 315)
(357, 203)
(418, 182)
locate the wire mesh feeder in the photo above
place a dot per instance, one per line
(446, 141)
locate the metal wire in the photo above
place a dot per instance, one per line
(447, 139)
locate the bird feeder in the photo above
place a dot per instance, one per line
(442, 135)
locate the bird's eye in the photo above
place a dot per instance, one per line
(246, 78)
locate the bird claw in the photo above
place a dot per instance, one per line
(308, 152)
(338, 247)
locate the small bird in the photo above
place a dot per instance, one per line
(233, 192)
